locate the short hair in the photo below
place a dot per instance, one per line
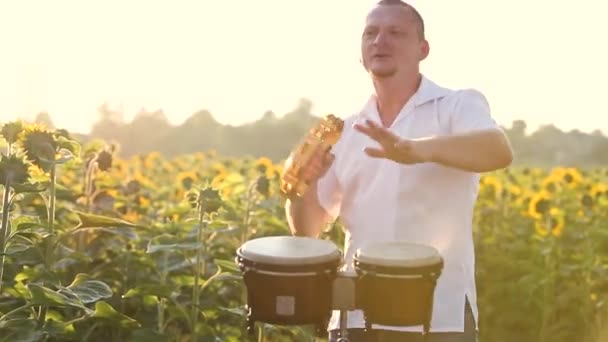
(417, 16)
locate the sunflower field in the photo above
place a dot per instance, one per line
(99, 248)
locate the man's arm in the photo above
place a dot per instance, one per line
(305, 216)
(476, 144)
(478, 151)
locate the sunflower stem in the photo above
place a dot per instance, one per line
(198, 267)
(51, 219)
(548, 290)
(4, 227)
(88, 191)
(48, 260)
(247, 217)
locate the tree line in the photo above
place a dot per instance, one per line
(275, 137)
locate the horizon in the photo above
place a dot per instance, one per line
(190, 56)
(529, 128)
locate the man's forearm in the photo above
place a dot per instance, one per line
(305, 216)
(480, 151)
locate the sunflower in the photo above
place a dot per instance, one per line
(187, 179)
(265, 166)
(552, 224)
(219, 168)
(587, 201)
(539, 204)
(572, 177)
(550, 184)
(11, 130)
(104, 160)
(39, 144)
(263, 185)
(14, 169)
(211, 199)
(490, 186)
(142, 202)
(150, 161)
(598, 189)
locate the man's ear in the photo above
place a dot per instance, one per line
(425, 50)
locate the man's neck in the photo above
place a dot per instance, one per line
(392, 94)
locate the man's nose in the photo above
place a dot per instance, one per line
(380, 38)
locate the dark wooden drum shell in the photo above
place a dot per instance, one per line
(289, 296)
(289, 279)
(396, 297)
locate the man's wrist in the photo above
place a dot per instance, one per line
(428, 149)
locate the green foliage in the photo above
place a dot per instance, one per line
(143, 250)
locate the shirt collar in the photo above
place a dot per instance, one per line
(427, 91)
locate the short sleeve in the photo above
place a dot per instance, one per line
(471, 113)
(329, 194)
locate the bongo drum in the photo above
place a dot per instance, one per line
(396, 283)
(289, 280)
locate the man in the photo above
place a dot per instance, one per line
(407, 168)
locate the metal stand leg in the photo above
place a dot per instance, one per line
(343, 326)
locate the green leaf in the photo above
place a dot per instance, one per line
(149, 289)
(29, 188)
(227, 265)
(106, 311)
(89, 290)
(68, 144)
(98, 221)
(168, 243)
(23, 336)
(41, 295)
(148, 335)
(59, 330)
(18, 244)
(18, 324)
(36, 229)
(172, 247)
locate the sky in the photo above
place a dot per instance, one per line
(542, 61)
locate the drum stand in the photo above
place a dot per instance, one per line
(344, 300)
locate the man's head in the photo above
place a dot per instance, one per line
(393, 40)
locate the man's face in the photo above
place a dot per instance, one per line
(390, 43)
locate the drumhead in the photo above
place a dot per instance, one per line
(289, 250)
(398, 254)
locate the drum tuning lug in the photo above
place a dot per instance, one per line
(250, 327)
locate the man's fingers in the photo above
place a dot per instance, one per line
(375, 152)
(376, 132)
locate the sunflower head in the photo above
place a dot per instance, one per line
(539, 204)
(553, 224)
(40, 145)
(10, 131)
(491, 187)
(572, 176)
(132, 187)
(265, 166)
(14, 169)
(210, 199)
(104, 160)
(587, 201)
(263, 185)
(187, 179)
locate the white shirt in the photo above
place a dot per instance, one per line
(379, 200)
